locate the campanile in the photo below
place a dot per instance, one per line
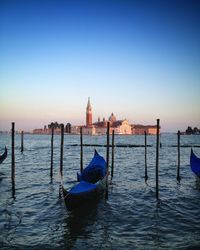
(89, 114)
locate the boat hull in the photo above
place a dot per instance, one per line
(3, 156)
(75, 200)
(91, 183)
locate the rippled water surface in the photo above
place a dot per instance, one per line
(131, 218)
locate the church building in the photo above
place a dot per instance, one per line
(120, 127)
(100, 127)
(89, 114)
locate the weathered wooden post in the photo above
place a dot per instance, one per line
(61, 158)
(22, 141)
(113, 145)
(157, 157)
(61, 149)
(145, 155)
(178, 167)
(107, 157)
(160, 141)
(13, 159)
(52, 137)
(81, 142)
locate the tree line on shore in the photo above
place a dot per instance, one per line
(192, 131)
(57, 125)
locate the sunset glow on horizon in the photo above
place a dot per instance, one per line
(137, 59)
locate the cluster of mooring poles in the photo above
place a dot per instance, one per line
(81, 154)
(158, 145)
(107, 149)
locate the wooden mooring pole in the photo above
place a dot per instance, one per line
(61, 149)
(13, 159)
(22, 141)
(81, 142)
(61, 158)
(157, 157)
(113, 152)
(107, 156)
(145, 155)
(178, 167)
(52, 137)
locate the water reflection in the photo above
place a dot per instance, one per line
(197, 182)
(78, 223)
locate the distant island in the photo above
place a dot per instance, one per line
(120, 127)
(194, 131)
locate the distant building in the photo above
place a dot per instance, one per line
(89, 114)
(75, 130)
(38, 131)
(120, 127)
(139, 129)
(100, 127)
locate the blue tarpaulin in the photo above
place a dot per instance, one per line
(195, 163)
(95, 171)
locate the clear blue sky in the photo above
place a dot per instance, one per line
(138, 59)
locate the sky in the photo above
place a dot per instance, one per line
(137, 59)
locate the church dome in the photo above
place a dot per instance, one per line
(112, 118)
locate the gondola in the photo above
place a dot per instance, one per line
(3, 156)
(91, 183)
(195, 163)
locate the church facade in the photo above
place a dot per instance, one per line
(120, 127)
(100, 127)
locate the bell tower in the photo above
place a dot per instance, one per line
(89, 114)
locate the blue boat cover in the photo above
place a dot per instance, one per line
(95, 171)
(195, 163)
(82, 187)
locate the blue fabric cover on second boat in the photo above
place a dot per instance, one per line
(95, 171)
(82, 187)
(195, 163)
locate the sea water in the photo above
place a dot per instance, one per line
(131, 217)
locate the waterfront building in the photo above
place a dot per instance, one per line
(100, 127)
(138, 129)
(120, 127)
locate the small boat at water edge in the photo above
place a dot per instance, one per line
(92, 182)
(4, 155)
(195, 163)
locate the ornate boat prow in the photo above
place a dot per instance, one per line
(4, 155)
